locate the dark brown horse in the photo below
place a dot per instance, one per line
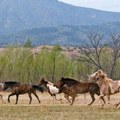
(5, 85)
(22, 89)
(73, 87)
(8, 84)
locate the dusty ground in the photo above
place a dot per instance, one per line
(46, 99)
(52, 110)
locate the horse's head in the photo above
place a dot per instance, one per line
(98, 76)
(95, 75)
(2, 86)
(101, 78)
(43, 82)
(59, 83)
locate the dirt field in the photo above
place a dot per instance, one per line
(57, 110)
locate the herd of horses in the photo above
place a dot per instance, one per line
(100, 85)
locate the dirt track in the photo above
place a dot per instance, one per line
(46, 99)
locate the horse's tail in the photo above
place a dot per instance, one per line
(37, 87)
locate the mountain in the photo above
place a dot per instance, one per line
(63, 35)
(18, 15)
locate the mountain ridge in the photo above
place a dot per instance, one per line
(62, 35)
(18, 15)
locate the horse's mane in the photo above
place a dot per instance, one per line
(101, 72)
(11, 82)
(48, 82)
(69, 80)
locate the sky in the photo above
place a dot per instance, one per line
(106, 5)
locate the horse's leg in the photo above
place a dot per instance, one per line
(108, 98)
(1, 97)
(17, 95)
(29, 94)
(37, 97)
(67, 97)
(117, 105)
(85, 97)
(101, 97)
(10, 96)
(73, 98)
(93, 98)
(54, 95)
(56, 98)
(51, 95)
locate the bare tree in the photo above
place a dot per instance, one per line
(115, 45)
(91, 51)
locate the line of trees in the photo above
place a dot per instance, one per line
(20, 64)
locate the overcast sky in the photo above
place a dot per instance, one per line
(107, 5)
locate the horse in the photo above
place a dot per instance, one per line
(25, 88)
(5, 85)
(73, 87)
(1, 97)
(107, 85)
(8, 84)
(52, 90)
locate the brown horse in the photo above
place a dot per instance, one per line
(73, 87)
(22, 89)
(107, 85)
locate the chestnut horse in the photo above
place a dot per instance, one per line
(107, 85)
(25, 88)
(73, 87)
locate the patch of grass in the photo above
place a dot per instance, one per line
(56, 112)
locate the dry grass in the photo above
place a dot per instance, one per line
(49, 110)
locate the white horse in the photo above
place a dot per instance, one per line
(52, 90)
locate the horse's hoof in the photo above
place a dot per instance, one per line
(102, 106)
(71, 104)
(89, 104)
(116, 105)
